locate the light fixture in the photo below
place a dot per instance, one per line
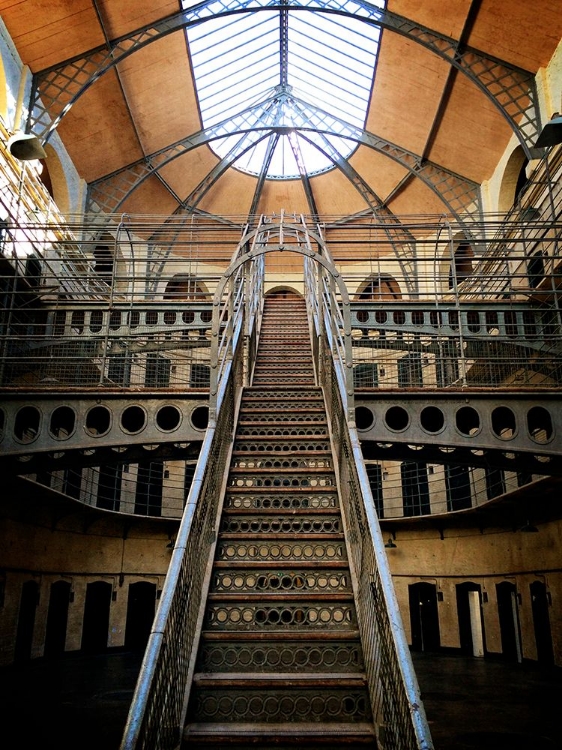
(390, 544)
(528, 528)
(26, 147)
(551, 134)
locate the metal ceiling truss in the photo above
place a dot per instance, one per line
(460, 195)
(511, 89)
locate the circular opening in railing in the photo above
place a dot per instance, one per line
(432, 419)
(399, 317)
(98, 421)
(168, 418)
(381, 316)
(188, 316)
(467, 420)
(503, 423)
(206, 316)
(63, 422)
(133, 419)
(539, 424)
(362, 316)
(200, 417)
(169, 318)
(364, 418)
(27, 423)
(397, 418)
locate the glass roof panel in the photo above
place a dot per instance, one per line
(292, 61)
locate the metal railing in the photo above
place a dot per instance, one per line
(399, 717)
(160, 700)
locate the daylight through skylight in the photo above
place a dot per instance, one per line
(263, 73)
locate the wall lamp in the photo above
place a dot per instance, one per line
(26, 147)
(551, 134)
(390, 544)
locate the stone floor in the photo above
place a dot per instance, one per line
(81, 702)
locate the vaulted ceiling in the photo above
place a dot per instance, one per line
(121, 83)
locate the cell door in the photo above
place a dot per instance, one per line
(424, 618)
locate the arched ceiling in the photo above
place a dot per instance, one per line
(453, 81)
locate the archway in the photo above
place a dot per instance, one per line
(469, 610)
(57, 618)
(506, 594)
(26, 620)
(513, 180)
(141, 606)
(96, 617)
(424, 617)
(541, 622)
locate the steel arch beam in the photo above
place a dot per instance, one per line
(457, 193)
(511, 89)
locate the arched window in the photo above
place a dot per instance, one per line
(107, 265)
(183, 286)
(463, 268)
(380, 287)
(514, 180)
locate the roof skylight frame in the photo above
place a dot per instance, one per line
(318, 73)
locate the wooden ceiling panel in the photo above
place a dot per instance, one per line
(284, 194)
(150, 198)
(98, 131)
(120, 17)
(443, 16)
(472, 135)
(334, 194)
(185, 173)
(46, 33)
(231, 195)
(408, 86)
(377, 170)
(521, 33)
(159, 88)
(416, 199)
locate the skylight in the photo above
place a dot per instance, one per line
(270, 75)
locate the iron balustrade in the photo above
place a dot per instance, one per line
(398, 712)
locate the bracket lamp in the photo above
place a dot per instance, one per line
(390, 544)
(551, 134)
(26, 147)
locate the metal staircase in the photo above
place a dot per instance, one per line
(280, 659)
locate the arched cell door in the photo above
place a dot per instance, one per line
(57, 618)
(96, 617)
(141, 606)
(541, 622)
(469, 610)
(506, 595)
(424, 618)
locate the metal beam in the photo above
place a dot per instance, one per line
(511, 89)
(460, 195)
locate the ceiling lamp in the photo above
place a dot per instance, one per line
(551, 134)
(26, 147)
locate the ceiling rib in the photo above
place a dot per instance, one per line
(511, 89)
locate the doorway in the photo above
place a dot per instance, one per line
(96, 617)
(26, 620)
(469, 610)
(141, 606)
(541, 622)
(57, 618)
(424, 617)
(506, 595)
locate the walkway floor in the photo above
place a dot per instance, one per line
(81, 702)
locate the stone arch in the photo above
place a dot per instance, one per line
(513, 179)
(54, 179)
(3, 93)
(109, 263)
(378, 287)
(185, 286)
(461, 265)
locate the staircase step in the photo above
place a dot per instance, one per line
(329, 736)
(230, 680)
